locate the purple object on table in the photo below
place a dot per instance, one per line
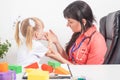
(10, 75)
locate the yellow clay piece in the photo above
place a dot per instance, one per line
(29, 70)
(38, 75)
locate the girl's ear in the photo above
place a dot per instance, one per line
(84, 21)
(37, 34)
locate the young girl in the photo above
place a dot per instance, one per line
(30, 49)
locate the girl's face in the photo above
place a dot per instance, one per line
(74, 25)
(38, 34)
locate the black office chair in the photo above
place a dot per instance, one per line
(110, 29)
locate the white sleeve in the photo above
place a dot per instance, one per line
(39, 50)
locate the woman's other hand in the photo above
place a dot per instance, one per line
(53, 53)
(52, 37)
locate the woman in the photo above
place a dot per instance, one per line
(87, 45)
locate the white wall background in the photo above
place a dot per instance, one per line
(50, 11)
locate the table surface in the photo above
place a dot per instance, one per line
(96, 72)
(90, 72)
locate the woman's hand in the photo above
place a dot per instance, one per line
(52, 37)
(53, 53)
(57, 57)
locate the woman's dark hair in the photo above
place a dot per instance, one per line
(78, 10)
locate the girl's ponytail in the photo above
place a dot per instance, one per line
(29, 37)
(17, 38)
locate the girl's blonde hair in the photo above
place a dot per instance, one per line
(27, 28)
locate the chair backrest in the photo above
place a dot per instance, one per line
(110, 29)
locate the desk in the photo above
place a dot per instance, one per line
(92, 72)
(96, 72)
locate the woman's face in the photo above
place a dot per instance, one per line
(74, 25)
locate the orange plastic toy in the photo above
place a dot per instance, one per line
(46, 67)
(3, 67)
(33, 65)
(60, 70)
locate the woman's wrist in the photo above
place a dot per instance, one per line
(65, 61)
(57, 42)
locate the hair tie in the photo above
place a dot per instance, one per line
(32, 23)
